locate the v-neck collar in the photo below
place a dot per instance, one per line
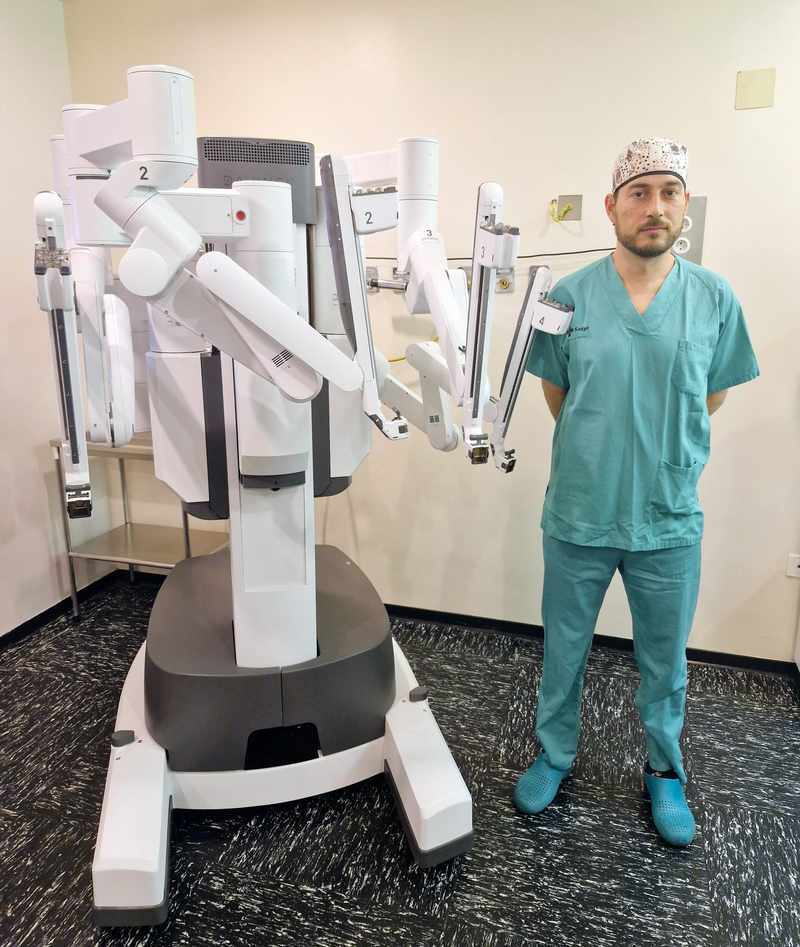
(659, 305)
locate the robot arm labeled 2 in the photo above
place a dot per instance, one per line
(125, 161)
(361, 198)
(351, 288)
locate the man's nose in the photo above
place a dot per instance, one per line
(655, 206)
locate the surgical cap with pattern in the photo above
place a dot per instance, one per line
(650, 156)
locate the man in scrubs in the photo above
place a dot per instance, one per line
(654, 345)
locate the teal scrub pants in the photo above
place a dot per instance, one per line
(661, 586)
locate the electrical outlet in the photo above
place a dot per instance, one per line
(690, 244)
(793, 565)
(505, 280)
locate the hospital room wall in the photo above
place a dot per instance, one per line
(540, 97)
(35, 83)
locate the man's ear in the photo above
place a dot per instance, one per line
(610, 203)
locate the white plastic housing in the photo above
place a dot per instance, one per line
(273, 433)
(434, 796)
(164, 242)
(273, 230)
(129, 869)
(372, 168)
(350, 429)
(166, 334)
(327, 314)
(93, 227)
(48, 211)
(177, 423)
(162, 114)
(119, 356)
(71, 116)
(212, 212)
(269, 325)
(58, 153)
(88, 269)
(418, 189)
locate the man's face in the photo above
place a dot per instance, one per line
(647, 213)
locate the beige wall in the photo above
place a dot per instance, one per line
(539, 97)
(35, 84)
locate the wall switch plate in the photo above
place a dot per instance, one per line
(793, 565)
(755, 89)
(575, 202)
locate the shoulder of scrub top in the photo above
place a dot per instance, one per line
(568, 287)
(717, 286)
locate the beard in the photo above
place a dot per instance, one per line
(647, 245)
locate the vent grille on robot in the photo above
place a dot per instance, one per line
(282, 358)
(254, 150)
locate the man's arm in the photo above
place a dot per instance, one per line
(714, 401)
(554, 396)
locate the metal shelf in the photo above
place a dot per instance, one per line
(159, 547)
(133, 544)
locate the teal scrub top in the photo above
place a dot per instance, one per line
(633, 434)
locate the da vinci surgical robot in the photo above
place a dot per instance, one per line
(269, 672)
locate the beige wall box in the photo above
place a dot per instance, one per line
(755, 89)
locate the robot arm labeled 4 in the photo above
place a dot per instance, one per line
(537, 313)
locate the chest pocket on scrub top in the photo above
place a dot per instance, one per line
(690, 373)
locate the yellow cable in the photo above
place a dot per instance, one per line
(554, 215)
(402, 358)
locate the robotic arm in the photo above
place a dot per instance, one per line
(538, 313)
(56, 297)
(128, 197)
(381, 190)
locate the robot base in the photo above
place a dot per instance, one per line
(130, 869)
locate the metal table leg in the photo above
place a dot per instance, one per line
(187, 545)
(73, 585)
(124, 488)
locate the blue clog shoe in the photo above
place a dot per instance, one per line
(537, 786)
(671, 814)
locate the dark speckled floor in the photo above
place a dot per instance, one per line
(589, 872)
